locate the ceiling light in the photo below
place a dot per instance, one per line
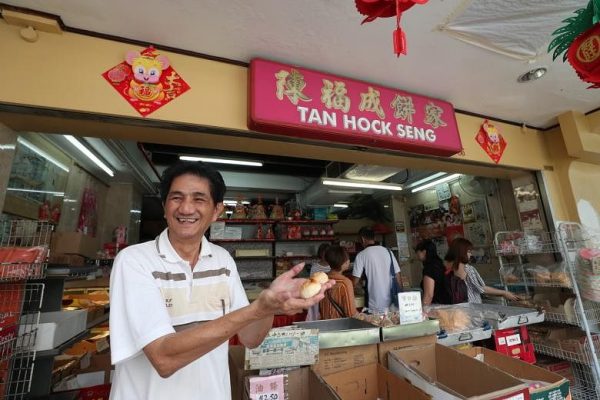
(427, 179)
(360, 184)
(338, 205)
(7, 146)
(43, 154)
(334, 191)
(436, 182)
(89, 154)
(234, 202)
(228, 212)
(532, 75)
(56, 194)
(222, 161)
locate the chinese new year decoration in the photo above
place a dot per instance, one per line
(374, 9)
(491, 141)
(579, 43)
(146, 80)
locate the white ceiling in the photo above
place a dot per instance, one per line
(327, 35)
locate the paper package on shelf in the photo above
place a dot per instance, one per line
(456, 318)
(588, 273)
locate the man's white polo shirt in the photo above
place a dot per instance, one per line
(153, 290)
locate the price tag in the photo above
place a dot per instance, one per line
(410, 307)
(268, 396)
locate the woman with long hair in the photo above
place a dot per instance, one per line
(434, 290)
(459, 254)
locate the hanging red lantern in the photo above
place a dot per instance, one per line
(584, 55)
(374, 9)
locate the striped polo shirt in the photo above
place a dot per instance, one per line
(153, 291)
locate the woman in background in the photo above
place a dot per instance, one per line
(339, 300)
(458, 257)
(312, 314)
(434, 290)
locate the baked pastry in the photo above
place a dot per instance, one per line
(309, 289)
(319, 277)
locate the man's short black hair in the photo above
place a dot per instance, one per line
(367, 233)
(198, 168)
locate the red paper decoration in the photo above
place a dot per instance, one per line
(374, 9)
(584, 56)
(146, 80)
(491, 141)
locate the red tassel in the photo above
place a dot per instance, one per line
(399, 42)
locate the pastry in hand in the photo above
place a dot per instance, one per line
(309, 289)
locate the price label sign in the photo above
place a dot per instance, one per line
(269, 396)
(410, 307)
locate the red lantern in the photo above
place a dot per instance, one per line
(584, 55)
(374, 9)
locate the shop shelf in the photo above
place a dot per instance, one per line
(241, 240)
(582, 358)
(248, 221)
(310, 239)
(591, 311)
(306, 222)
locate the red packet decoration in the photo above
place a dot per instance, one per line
(491, 141)
(146, 80)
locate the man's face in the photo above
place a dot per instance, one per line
(189, 208)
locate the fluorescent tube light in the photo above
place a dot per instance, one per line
(428, 178)
(42, 153)
(360, 184)
(228, 212)
(234, 202)
(89, 154)
(338, 205)
(7, 146)
(334, 191)
(436, 182)
(222, 161)
(57, 194)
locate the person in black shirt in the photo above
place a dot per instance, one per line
(434, 289)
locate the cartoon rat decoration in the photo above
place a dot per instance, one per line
(147, 70)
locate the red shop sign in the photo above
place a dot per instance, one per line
(298, 102)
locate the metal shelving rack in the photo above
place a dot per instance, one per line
(20, 305)
(557, 249)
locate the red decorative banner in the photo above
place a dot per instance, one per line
(291, 101)
(146, 80)
(491, 141)
(584, 56)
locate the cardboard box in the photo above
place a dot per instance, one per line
(384, 347)
(303, 384)
(74, 243)
(447, 374)
(342, 358)
(285, 347)
(372, 382)
(558, 387)
(67, 259)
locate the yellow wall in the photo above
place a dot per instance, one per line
(64, 72)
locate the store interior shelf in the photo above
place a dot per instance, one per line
(97, 321)
(297, 257)
(57, 350)
(584, 393)
(248, 221)
(537, 283)
(69, 271)
(306, 222)
(245, 258)
(310, 239)
(592, 315)
(583, 358)
(241, 240)
(102, 282)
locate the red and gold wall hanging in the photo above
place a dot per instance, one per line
(146, 80)
(579, 43)
(491, 141)
(374, 9)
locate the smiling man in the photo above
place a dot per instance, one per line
(176, 300)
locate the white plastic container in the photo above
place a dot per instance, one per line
(57, 327)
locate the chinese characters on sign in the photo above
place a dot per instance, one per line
(146, 80)
(294, 101)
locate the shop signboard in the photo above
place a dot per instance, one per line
(298, 102)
